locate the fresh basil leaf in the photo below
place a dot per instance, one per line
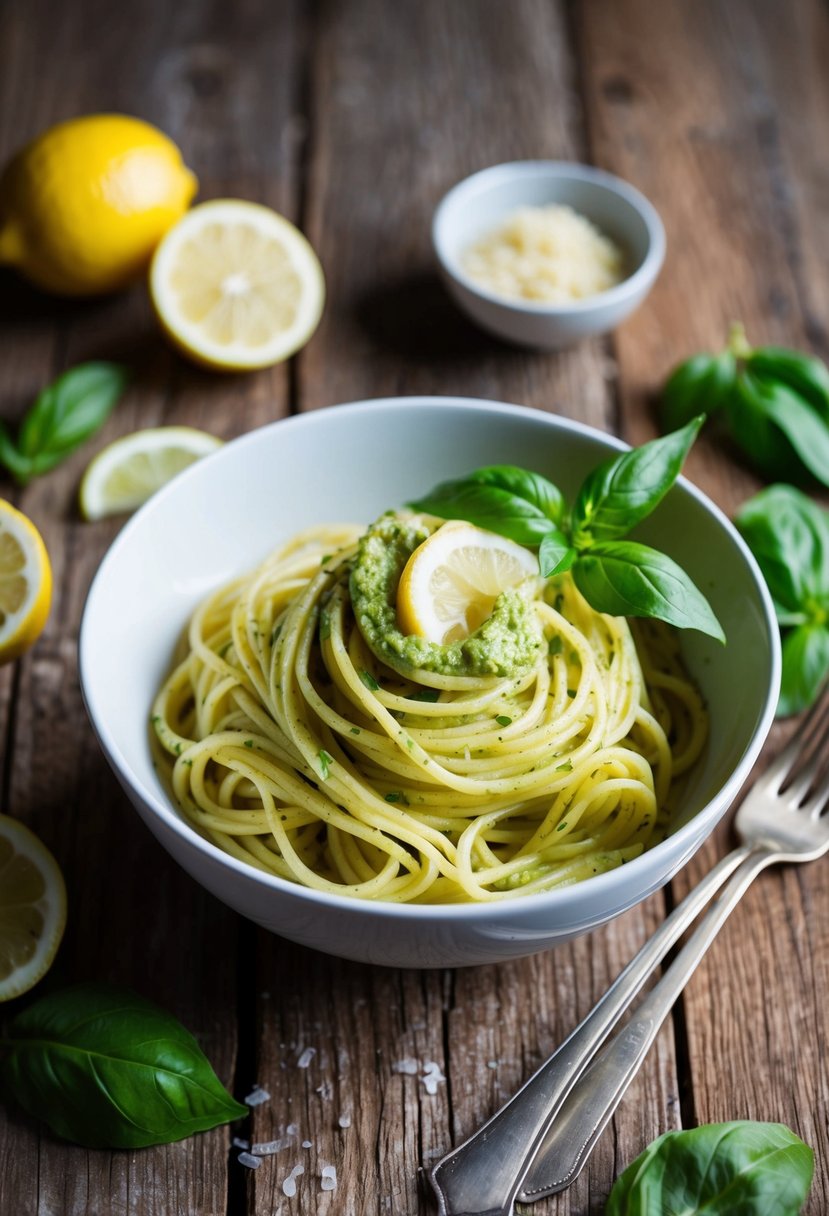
(788, 534)
(623, 490)
(806, 375)
(697, 386)
(107, 1069)
(805, 668)
(719, 1169)
(556, 554)
(68, 412)
(9, 455)
(531, 487)
(624, 578)
(778, 430)
(487, 506)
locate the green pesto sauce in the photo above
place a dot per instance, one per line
(504, 645)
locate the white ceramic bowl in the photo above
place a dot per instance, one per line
(480, 203)
(225, 513)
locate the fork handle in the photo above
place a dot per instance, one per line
(585, 1114)
(483, 1176)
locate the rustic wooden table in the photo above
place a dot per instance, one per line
(353, 117)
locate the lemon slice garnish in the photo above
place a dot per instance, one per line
(450, 583)
(124, 475)
(32, 908)
(237, 286)
(25, 582)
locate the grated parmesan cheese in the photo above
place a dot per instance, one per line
(550, 255)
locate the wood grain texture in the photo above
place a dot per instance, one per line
(741, 246)
(354, 124)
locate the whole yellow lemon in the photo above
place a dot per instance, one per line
(83, 207)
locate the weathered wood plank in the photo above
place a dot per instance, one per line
(714, 114)
(134, 917)
(400, 111)
(403, 109)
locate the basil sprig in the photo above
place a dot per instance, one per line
(64, 415)
(107, 1069)
(788, 533)
(617, 576)
(718, 1169)
(774, 401)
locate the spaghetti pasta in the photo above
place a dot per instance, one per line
(293, 747)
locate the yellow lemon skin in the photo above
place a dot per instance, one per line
(25, 583)
(83, 206)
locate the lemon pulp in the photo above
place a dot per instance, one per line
(32, 908)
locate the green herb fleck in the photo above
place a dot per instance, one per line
(562, 826)
(426, 694)
(369, 680)
(555, 645)
(567, 767)
(397, 796)
(503, 720)
(325, 625)
(248, 742)
(326, 761)
(355, 730)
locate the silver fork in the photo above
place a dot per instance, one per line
(540, 1140)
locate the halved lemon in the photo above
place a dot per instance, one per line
(126, 472)
(32, 908)
(450, 583)
(236, 286)
(25, 582)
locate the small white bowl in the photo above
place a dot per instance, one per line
(222, 516)
(478, 204)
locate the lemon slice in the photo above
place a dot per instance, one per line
(124, 475)
(32, 908)
(25, 582)
(236, 286)
(450, 583)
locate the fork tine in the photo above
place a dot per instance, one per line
(806, 758)
(817, 804)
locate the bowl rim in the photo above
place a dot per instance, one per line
(642, 277)
(679, 842)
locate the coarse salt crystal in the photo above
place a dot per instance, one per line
(237, 1143)
(268, 1147)
(344, 1120)
(328, 1178)
(306, 1057)
(292, 1129)
(492, 1063)
(289, 1186)
(432, 1076)
(250, 1161)
(257, 1096)
(307, 1143)
(408, 1066)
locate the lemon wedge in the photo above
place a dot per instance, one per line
(25, 583)
(236, 286)
(450, 583)
(32, 908)
(125, 473)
